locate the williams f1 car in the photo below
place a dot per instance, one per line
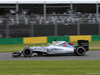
(58, 47)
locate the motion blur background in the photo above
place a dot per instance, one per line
(49, 18)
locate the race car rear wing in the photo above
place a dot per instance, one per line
(84, 43)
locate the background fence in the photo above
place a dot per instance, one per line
(33, 30)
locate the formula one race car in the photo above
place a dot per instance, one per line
(58, 47)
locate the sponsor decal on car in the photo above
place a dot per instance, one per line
(56, 49)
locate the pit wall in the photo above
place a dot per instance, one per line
(49, 39)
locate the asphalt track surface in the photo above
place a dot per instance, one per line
(90, 55)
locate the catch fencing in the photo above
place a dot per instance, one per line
(33, 30)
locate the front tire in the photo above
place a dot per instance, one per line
(27, 52)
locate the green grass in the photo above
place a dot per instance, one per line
(94, 45)
(49, 67)
(16, 47)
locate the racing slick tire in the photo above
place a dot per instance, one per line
(16, 54)
(80, 51)
(27, 52)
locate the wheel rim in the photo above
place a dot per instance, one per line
(27, 52)
(81, 51)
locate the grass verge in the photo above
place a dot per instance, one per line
(49, 67)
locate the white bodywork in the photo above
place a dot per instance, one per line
(59, 50)
(56, 48)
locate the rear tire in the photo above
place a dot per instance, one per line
(80, 51)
